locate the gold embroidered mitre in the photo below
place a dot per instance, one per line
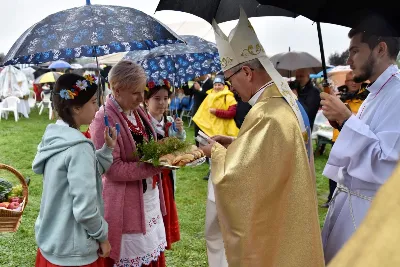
(242, 45)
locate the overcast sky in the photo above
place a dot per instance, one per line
(276, 34)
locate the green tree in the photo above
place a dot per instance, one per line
(337, 59)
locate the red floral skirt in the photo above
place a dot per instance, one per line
(171, 222)
(42, 262)
(159, 263)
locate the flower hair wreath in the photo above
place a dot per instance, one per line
(80, 85)
(153, 84)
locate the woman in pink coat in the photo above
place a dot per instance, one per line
(132, 191)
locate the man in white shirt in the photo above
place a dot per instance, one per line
(367, 150)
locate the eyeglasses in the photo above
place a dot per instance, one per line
(236, 72)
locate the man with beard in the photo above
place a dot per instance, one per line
(367, 149)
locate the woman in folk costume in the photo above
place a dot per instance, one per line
(133, 195)
(264, 187)
(156, 100)
(217, 112)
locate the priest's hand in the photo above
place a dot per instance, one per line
(334, 109)
(223, 140)
(207, 149)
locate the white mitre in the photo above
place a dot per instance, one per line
(242, 46)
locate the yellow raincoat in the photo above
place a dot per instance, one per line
(211, 124)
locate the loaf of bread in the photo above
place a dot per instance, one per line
(167, 159)
(183, 157)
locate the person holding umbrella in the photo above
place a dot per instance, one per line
(368, 147)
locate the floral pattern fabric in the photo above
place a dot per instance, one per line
(88, 31)
(179, 62)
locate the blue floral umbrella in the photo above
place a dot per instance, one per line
(180, 62)
(88, 31)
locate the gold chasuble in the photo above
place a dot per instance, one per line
(376, 241)
(264, 191)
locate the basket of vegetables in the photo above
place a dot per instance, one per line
(13, 199)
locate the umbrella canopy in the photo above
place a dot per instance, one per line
(91, 66)
(222, 10)
(76, 66)
(59, 64)
(320, 74)
(296, 60)
(351, 16)
(179, 63)
(91, 30)
(382, 19)
(49, 77)
(111, 59)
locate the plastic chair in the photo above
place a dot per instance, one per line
(187, 111)
(32, 99)
(10, 104)
(185, 102)
(45, 101)
(174, 106)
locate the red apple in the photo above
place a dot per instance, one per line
(13, 205)
(15, 199)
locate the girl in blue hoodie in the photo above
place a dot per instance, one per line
(70, 229)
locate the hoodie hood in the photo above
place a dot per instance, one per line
(57, 138)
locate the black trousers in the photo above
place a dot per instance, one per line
(332, 187)
(196, 132)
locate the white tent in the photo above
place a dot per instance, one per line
(29, 74)
(337, 75)
(111, 59)
(13, 82)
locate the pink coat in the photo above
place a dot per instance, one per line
(122, 186)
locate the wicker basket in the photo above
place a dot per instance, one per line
(9, 219)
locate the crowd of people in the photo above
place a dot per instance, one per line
(101, 208)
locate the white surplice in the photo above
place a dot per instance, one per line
(362, 159)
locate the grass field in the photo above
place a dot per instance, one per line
(18, 143)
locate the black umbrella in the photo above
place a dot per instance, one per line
(341, 12)
(355, 14)
(222, 10)
(89, 31)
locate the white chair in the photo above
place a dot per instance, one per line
(9, 104)
(32, 99)
(45, 101)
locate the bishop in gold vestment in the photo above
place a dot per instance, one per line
(264, 187)
(264, 190)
